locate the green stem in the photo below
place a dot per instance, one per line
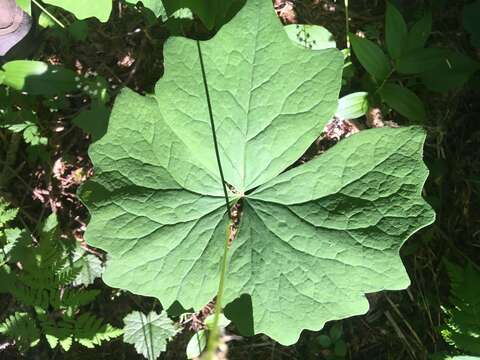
(384, 81)
(347, 24)
(212, 126)
(50, 15)
(214, 337)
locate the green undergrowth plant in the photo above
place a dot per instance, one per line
(462, 328)
(331, 344)
(31, 92)
(149, 333)
(177, 14)
(195, 197)
(40, 274)
(408, 63)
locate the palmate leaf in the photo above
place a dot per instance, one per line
(312, 241)
(90, 267)
(148, 333)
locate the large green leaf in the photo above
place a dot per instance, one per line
(100, 9)
(318, 237)
(312, 240)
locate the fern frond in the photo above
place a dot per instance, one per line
(21, 327)
(74, 298)
(90, 331)
(7, 214)
(15, 240)
(30, 296)
(58, 332)
(43, 278)
(67, 275)
(463, 318)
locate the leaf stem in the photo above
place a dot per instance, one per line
(212, 125)
(50, 15)
(384, 81)
(213, 339)
(347, 24)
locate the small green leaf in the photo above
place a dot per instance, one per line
(93, 121)
(46, 21)
(213, 13)
(421, 60)
(336, 331)
(91, 267)
(78, 30)
(352, 106)
(395, 31)
(419, 33)
(372, 57)
(50, 226)
(25, 5)
(32, 135)
(340, 348)
(156, 6)
(196, 344)
(16, 72)
(148, 333)
(223, 322)
(38, 78)
(198, 341)
(100, 9)
(404, 101)
(324, 341)
(312, 37)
